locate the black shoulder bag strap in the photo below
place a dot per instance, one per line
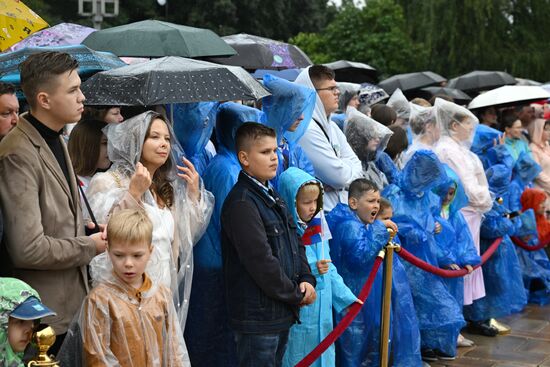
(326, 136)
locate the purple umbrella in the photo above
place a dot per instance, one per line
(62, 34)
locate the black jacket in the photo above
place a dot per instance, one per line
(264, 260)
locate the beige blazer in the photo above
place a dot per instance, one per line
(43, 225)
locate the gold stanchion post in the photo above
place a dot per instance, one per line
(44, 339)
(386, 301)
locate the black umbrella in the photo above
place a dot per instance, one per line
(411, 81)
(171, 80)
(479, 80)
(353, 72)
(255, 52)
(153, 38)
(458, 96)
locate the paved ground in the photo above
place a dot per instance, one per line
(527, 346)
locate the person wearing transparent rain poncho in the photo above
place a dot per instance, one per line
(424, 128)
(145, 174)
(288, 111)
(458, 127)
(367, 138)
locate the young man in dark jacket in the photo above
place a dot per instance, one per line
(267, 277)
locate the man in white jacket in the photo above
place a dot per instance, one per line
(335, 163)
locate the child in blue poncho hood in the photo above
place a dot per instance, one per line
(357, 239)
(304, 197)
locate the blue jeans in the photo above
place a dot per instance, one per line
(261, 350)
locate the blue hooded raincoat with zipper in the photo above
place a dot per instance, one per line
(332, 293)
(414, 205)
(208, 337)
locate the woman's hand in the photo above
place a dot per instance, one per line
(191, 176)
(140, 182)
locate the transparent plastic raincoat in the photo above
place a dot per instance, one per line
(193, 125)
(525, 171)
(208, 337)
(540, 151)
(287, 103)
(334, 162)
(316, 319)
(535, 264)
(119, 325)
(175, 229)
(425, 128)
(399, 103)
(506, 294)
(414, 204)
(347, 92)
(354, 247)
(367, 137)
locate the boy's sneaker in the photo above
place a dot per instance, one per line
(428, 355)
(446, 357)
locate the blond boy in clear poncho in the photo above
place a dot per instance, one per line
(150, 172)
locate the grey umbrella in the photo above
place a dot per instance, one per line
(411, 81)
(479, 80)
(171, 80)
(353, 72)
(457, 95)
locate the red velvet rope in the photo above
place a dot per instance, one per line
(527, 247)
(447, 273)
(346, 320)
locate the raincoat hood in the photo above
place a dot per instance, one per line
(319, 113)
(484, 139)
(532, 198)
(456, 122)
(399, 103)
(347, 92)
(526, 169)
(125, 143)
(498, 177)
(13, 292)
(290, 182)
(193, 124)
(536, 128)
(360, 130)
(460, 199)
(422, 172)
(500, 155)
(287, 102)
(424, 125)
(230, 117)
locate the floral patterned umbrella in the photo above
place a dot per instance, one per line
(62, 34)
(17, 22)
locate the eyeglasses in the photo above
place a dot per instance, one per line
(334, 89)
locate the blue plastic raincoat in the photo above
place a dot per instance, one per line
(505, 293)
(287, 103)
(414, 205)
(524, 173)
(484, 142)
(207, 334)
(316, 319)
(193, 125)
(354, 247)
(388, 167)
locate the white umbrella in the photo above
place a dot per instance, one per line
(509, 94)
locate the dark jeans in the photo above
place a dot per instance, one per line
(261, 350)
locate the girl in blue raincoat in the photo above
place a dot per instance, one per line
(524, 173)
(414, 204)
(288, 111)
(506, 294)
(304, 197)
(357, 239)
(208, 337)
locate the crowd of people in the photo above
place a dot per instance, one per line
(239, 233)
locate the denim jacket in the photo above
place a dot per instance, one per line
(263, 260)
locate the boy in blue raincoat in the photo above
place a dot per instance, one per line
(414, 205)
(304, 197)
(288, 111)
(502, 271)
(208, 337)
(357, 239)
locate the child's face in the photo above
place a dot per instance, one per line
(19, 333)
(541, 210)
(367, 206)
(385, 214)
(306, 202)
(296, 123)
(450, 195)
(260, 160)
(129, 260)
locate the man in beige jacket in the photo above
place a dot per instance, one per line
(43, 226)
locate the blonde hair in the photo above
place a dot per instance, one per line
(309, 187)
(130, 226)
